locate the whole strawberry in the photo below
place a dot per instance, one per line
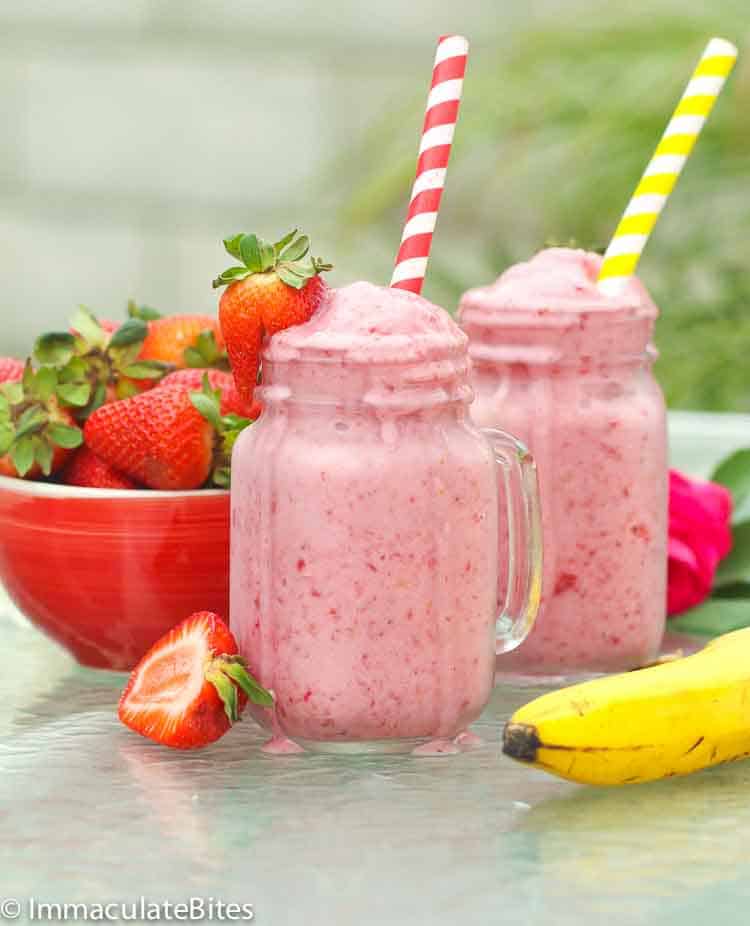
(88, 470)
(185, 341)
(231, 400)
(191, 686)
(37, 429)
(167, 438)
(278, 285)
(11, 370)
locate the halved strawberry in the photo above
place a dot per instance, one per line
(231, 400)
(278, 285)
(191, 686)
(11, 370)
(90, 471)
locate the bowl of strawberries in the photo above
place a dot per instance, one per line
(115, 441)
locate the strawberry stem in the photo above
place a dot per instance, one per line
(227, 429)
(228, 674)
(289, 258)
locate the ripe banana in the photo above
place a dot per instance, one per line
(671, 719)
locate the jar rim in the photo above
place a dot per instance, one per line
(397, 354)
(540, 316)
(515, 354)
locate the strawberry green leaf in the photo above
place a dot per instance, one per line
(287, 239)
(236, 669)
(73, 371)
(221, 477)
(55, 348)
(250, 253)
(147, 369)
(7, 436)
(28, 380)
(292, 277)
(87, 325)
(134, 331)
(4, 407)
(22, 455)
(205, 352)
(267, 254)
(65, 436)
(45, 383)
(32, 420)
(296, 250)
(227, 692)
(320, 265)
(232, 422)
(193, 358)
(231, 276)
(13, 392)
(43, 454)
(232, 246)
(208, 407)
(97, 400)
(126, 388)
(123, 356)
(144, 312)
(76, 394)
(206, 346)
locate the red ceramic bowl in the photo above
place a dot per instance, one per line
(106, 572)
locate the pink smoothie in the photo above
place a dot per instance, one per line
(364, 527)
(567, 370)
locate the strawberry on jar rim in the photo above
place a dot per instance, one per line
(191, 686)
(277, 286)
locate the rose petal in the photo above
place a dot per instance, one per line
(699, 537)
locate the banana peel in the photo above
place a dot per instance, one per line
(671, 719)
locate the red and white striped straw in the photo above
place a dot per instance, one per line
(434, 152)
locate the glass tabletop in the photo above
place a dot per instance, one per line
(91, 813)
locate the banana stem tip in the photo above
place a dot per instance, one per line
(521, 742)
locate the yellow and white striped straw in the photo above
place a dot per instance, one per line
(659, 178)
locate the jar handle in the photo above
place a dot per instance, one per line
(524, 539)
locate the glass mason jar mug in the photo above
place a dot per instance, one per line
(577, 387)
(365, 549)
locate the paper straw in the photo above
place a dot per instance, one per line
(434, 152)
(659, 178)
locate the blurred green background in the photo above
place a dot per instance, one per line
(138, 133)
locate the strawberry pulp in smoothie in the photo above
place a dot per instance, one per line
(568, 370)
(364, 528)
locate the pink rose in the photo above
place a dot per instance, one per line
(699, 537)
